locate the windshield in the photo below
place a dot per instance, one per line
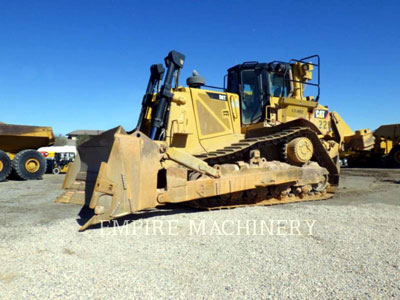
(251, 97)
(278, 86)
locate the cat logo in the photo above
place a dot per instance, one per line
(320, 114)
(217, 96)
(222, 97)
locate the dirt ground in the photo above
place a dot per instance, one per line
(32, 202)
(353, 253)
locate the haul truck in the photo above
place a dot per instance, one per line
(18, 154)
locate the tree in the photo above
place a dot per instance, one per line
(81, 139)
(60, 140)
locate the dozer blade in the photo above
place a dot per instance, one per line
(82, 174)
(115, 174)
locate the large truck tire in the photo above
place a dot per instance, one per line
(29, 165)
(394, 156)
(5, 166)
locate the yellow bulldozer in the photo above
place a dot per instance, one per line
(259, 140)
(18, 154)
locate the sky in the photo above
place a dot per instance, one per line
(85, 64)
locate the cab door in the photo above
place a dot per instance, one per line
(252, 97)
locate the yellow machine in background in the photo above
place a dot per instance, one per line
(385, 152)
(259, 141)
(58, 158)
(18, 144)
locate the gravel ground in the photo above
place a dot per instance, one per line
(346, 247)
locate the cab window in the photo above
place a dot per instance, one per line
(251, 97)
(278, 86)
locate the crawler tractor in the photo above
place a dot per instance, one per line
(258, 141)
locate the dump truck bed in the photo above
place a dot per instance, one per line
(391, 132)
(14, 138)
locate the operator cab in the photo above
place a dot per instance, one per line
(256, 83)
